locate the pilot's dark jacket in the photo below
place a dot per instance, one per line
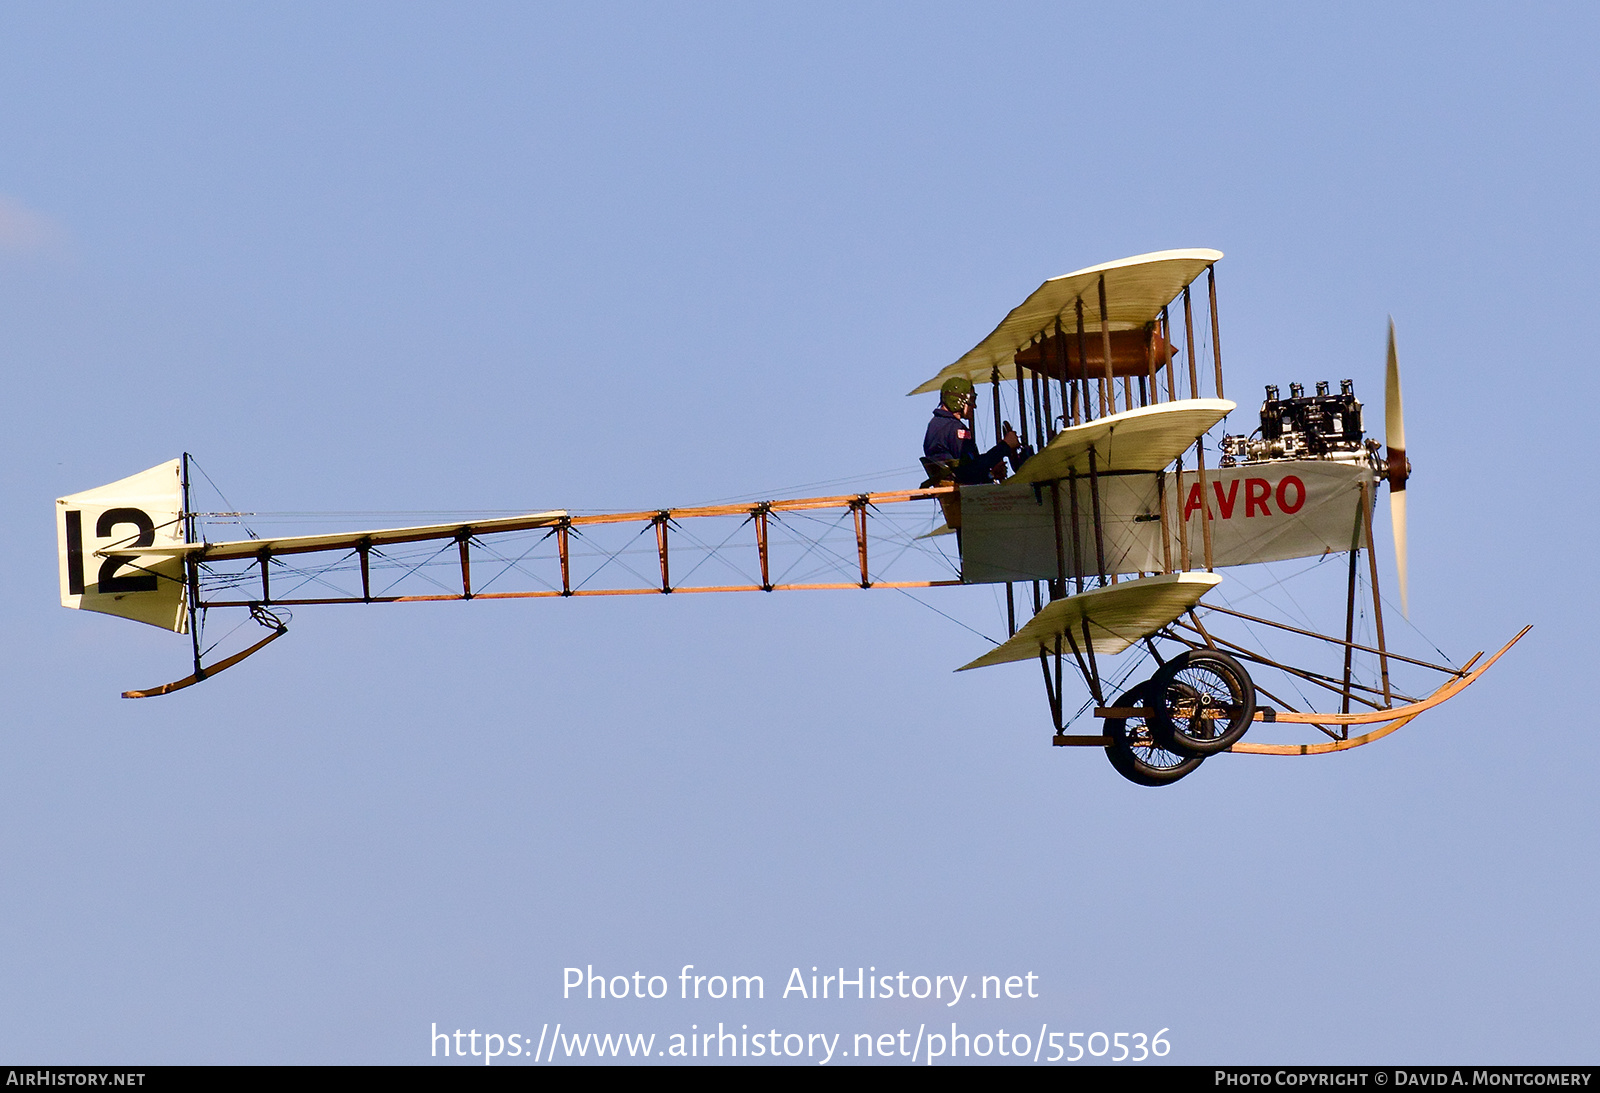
(950, 441)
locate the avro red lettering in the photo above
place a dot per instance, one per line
(1283, 494)
(1256, 492)
(1226, 503)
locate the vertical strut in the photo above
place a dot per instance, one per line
(1183, 520)
(364, 549)
(1377, 603)
(191, 568)
(1058, 587)
(1069, 393)
(1094, 500)
(466, 564)
(1166, 530)
(858, 508)
(760, 514)
(1166, 351)
(1105, 346)
(1083, 364)
(994, 383)
(661, 548)
(562, 530)
(1077, 535)
(1199, 444)
(1216, 329)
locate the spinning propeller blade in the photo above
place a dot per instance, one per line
(1394, 428)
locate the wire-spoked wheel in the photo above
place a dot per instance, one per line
(1202, 701)
(1134, 750)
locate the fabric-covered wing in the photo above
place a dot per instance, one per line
(1137, 289)
(1118, 615)
(1146, 439)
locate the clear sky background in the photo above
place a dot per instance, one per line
(418, 257)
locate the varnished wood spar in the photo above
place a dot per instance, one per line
(1367, 493)
(1083, 360)
(462, 539)
(1216, 328)
(1069, 391)
(803, 504)
(207, 673)
(561, 549)
(1022, 409)
(1166, 343)
(546, 594)
(994, 385)
(1199, 444)
(661, 549)
(364, 548)
(1183, 522)
(760, 517)
(1105, 343)
(859, 511)
(1396, 716)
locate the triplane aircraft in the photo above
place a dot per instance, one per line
(1110, 532)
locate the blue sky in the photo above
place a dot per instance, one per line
(415, 257)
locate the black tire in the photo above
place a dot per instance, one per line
(1134, 751)
(1202, 702)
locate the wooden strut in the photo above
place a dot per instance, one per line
(1377, 603)
(1069, 391)
(859, 511)
(1105, 347)
(563, 531)
(1350, 607)
(1216, 329)
(760, 518)
(1077, 536)
(191, 574)
(661, 548)
(994, 386)
(1166, 349)
(1094, 500)
(1083, 366)
(462, 538)
(364, 549)
(1199, 444)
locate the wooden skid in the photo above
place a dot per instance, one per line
(1390, 719)
(221, 665)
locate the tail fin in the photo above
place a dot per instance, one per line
(145, 509)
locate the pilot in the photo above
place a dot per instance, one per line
(950, 444)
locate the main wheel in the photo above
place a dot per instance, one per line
(1134, 751)
(1202, 702)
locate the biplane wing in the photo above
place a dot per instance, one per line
(1114, 617)
(1136, 289)
(1148, 438)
